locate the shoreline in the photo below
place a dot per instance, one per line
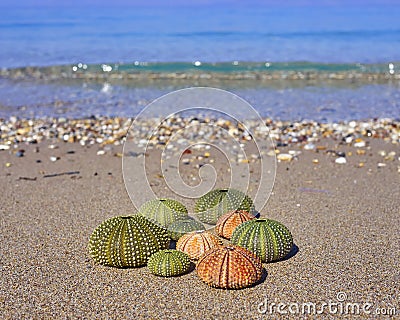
(237, 72)
(105, 130)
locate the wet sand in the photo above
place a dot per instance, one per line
(344, 219)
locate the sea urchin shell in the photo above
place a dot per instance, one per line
(169, 263)
(268, 239)
(229, 267)
(230, 220)
(126, 241)
(216, 203)
(197, 242)
(180, 227)
(164, 211)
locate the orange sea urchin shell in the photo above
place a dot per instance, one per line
(229, 267)
(197, 242)
(230, 220)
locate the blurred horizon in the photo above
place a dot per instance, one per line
(161, 3)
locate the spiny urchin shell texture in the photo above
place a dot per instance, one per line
(164, 211)
(216, 203)
(268, 239)
(230, 220)
(126, 241)
(197, 242)
(229, 267)
(169, 263)
(178, 228)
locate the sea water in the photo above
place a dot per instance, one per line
(221, 39)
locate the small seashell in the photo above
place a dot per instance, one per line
(360, 152)
(341, 160)
(185, 161)
(54, 159)
(359, 143)
(229, 267)
(197, 242)
(316, 161)
(390, 156)
(23, 131)
(294, 153)
(349, 139)
(4, 147)
(309, 146)
(284, 157)
(101, 152)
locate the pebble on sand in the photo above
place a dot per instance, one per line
(284, 157)
(4, 147)
(341, 160)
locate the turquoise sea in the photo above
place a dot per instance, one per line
(81, 56)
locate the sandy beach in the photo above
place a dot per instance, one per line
(343, 217)
(106, 105)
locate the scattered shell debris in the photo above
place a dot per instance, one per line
(107, 132)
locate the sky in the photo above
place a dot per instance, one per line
(22, 3)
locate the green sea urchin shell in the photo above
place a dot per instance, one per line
(164, 211)
(268, 239)
(126, 241)
(169, 263)
(178, 228)
(216, 203)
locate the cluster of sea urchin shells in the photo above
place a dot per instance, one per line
(144, 238)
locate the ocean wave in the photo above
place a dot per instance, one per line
(235, 70)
